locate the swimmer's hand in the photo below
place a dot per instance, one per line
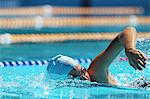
(136, 58)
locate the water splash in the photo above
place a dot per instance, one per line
(127, 75)
(36, 85)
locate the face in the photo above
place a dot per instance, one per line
(75, 73)
(81, 72)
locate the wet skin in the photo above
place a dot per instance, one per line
(98, 69)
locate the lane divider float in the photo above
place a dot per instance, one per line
(45, 62)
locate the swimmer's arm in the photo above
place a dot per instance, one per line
(136, 57)
(98, 69)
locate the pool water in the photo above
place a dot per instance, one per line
(32, 82)
(46, 50)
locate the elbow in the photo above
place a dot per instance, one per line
(128, 33)
(130, 30)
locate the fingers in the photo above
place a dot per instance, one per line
(142, 56)
(141, 59)
(141, 63)
(137, 64)
(137, 59)
(138, 67)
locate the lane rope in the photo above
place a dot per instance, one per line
(45, 62)
(61, 37)
(37, 62)
(48, 10)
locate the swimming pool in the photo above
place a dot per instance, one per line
(30, 81)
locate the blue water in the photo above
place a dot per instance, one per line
(29, 82)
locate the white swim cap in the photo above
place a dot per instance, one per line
(61, 65)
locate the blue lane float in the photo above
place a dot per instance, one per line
(45, 62)
(36, 62)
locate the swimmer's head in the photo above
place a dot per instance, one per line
(64, 65)
(61, 65)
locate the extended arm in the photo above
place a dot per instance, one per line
(98, 69)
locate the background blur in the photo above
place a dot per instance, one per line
(28, 25)
(99, 3)
(30, 16)
(18, 3)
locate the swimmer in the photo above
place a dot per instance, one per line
(98, 69)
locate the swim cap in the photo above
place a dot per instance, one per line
(61, 64)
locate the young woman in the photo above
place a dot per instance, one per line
(98, 69)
